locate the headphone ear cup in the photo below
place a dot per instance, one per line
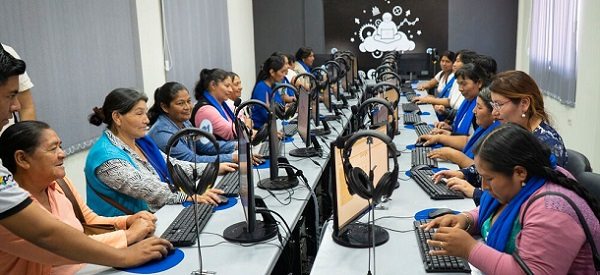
(261, 135)
(360, 183)
(384, 187)
(208, 177)
(291, 110)
(181, 180)
(279, 110)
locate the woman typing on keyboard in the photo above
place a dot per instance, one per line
(125, 170)
(530, 211)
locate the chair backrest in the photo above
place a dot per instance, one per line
(591, 181)
(577, 163)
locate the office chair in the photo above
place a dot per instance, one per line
(577, 163)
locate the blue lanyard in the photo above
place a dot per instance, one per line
(222, 108)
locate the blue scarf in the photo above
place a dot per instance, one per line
(479, 134)
(464, 117)
(306, 68)
(155, 158)
(446, 91)
(501, 229)
(221, 107)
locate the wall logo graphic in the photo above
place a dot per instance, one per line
(381, 34)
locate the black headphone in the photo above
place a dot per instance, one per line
(336, 71)
(278, 109)
(392, 126)
(361, 183)
(383, 68)
(321, 76)
(387, 85)
(178, 179)
(393, 74)
(312, 80)
(263, 132)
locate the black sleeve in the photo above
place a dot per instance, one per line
(16, 209)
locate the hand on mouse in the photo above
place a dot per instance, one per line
(453, 241)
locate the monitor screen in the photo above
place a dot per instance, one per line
(314, 107)
(349, 207)
(246, 182)
(303, 115)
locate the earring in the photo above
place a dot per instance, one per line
(523, 115)
(523, 184)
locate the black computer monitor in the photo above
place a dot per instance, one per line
(304, 126)
(251, 230)
(348, 208)
(323, 86)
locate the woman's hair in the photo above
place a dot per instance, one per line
(206, 77)
(473, 72)
(516, 85)
(511, 145)
(25, 136)
(274, 63)
(449, 54)
(486, 95)
(233, 75)
(488, 63)
(165, 95)
(120, 100)
(302, 53)
(291, 58)
(467, 56)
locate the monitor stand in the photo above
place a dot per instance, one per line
(278, 183)
(263, 230)
(359, 236)
(321, 132)
(329, 118)
(304, 152)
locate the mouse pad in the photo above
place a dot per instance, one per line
(425, 113)
(435, 170)
(435, 146)
(424, 214)
(288, 139)
(264, 165)
(172, 259)
(230, 202)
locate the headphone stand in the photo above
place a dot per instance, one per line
(279, 183)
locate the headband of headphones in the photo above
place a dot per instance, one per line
(388, 85)
(312, 80)
(320, 73)
(253, 102)
(378, 101)
(280, 86)
(393, 74)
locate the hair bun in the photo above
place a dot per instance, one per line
(97, 117)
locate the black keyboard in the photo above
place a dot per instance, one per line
(419, 157)
(422, 129)
(290, 129)
(182, 231)
(410, 107)
(437, 263)
(411, 118)
(436, 191)
(230, 183)
(410, 96)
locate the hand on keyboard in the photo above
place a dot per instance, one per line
(444, 153)
(452, 241)
(227, 167)
(461, 185)
(428, 140)
(447, 174)
(211, 196)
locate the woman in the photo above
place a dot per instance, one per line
(442, 78)
(273, 71)
(126, 166)
(211, 91)
(516, 167)
(470, 78)
(516, 98)
(304, 60)
(170, 113)
(485, 122)
(32, 151)
(236, 90)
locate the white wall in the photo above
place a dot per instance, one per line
(241, 31)
(579, 126)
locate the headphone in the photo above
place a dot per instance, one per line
(388, 85)
(392, 126)
(313, 80)
(383, 68)
(178, 179)
(321, 76)
(361, 183)
(393, 74)
(336, 71)
(278, 109)
(263, 132)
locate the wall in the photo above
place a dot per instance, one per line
(485, 26)
(578, 126)
(241, 32)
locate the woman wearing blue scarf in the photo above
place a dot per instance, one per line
(304, 60)
(211, 110)
(516, 167)
(126, 165)
(485, 122)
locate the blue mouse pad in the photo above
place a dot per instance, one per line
(230, 202)
(172, 259)
(263, 165)
(408, 173)
(425, 113)
(412, 146)
(424, 214)
(409, 126)
(288, 139)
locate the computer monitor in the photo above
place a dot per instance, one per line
(304, 126)
(323, 86)
(251, 230)
(348, 208)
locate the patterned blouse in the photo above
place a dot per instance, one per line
(143, 182)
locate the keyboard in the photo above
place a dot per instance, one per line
(182, 231)
(410, 107)
(437, 263)
(411, 118)
(434, 190)
(422, 129)
(419, 157)
(230, 183)
(290, 129)
(264, 148)
(410, 96)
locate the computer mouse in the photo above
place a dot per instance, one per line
(440, 212)
(223, 199)
(419, 144)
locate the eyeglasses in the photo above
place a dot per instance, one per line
(498, 105)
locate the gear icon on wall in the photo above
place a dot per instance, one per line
(397, 10)
(361, 32)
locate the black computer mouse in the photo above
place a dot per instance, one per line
(419, 144)
(440, 212)
(223, 200)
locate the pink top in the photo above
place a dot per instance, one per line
(221, 127)
(18, 256)
(550, 242)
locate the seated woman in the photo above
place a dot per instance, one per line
(304, 60)
(236, 90)
(485, 122)
(444, 79)
(170, 113)
(516, 167)
(273, 71)
(126, 166)
(211, 91)
(471, 78)
(516, 98)
(288, 96)
(32, 151)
